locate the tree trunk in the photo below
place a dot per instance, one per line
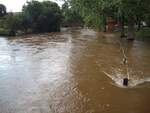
(121, 24)
(122, 30)
(148, 24)
(131, 34)
(104, 24)
(138, 23)
(25, 30)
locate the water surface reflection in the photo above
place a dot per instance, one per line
(65, 73)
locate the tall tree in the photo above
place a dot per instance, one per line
(70, 15)
(129, 11)
(45, 16)
(94, 11)
(133, 11)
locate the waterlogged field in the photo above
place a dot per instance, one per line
(75, 71)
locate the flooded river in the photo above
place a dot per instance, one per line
(75, 71)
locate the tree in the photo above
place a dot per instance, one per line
(2, 10)
(12, 23)
(70, 15)
(133, 11)
(25, 23)
(44, 16)
(124, 11)
(94, 11)
(35, 17)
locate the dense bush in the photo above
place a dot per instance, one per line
(71, 16)
(42, 16)
(35, 17)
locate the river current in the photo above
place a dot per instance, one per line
(74, 71)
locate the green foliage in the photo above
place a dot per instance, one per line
(96, 12)
(145, 32)
(35, 17)
(70, 15)
(44, 16)
(112, 8)
(4, 31)
(11, 23)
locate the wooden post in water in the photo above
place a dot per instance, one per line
(125, 81)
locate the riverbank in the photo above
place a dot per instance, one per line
(143, 33)
(4, 32)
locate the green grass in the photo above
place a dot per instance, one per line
(4, 31)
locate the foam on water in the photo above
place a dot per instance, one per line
(133, 82)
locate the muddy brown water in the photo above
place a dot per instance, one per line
(75, 71)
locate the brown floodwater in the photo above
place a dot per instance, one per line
(74, 71)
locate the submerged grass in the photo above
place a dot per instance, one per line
(143, 33)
